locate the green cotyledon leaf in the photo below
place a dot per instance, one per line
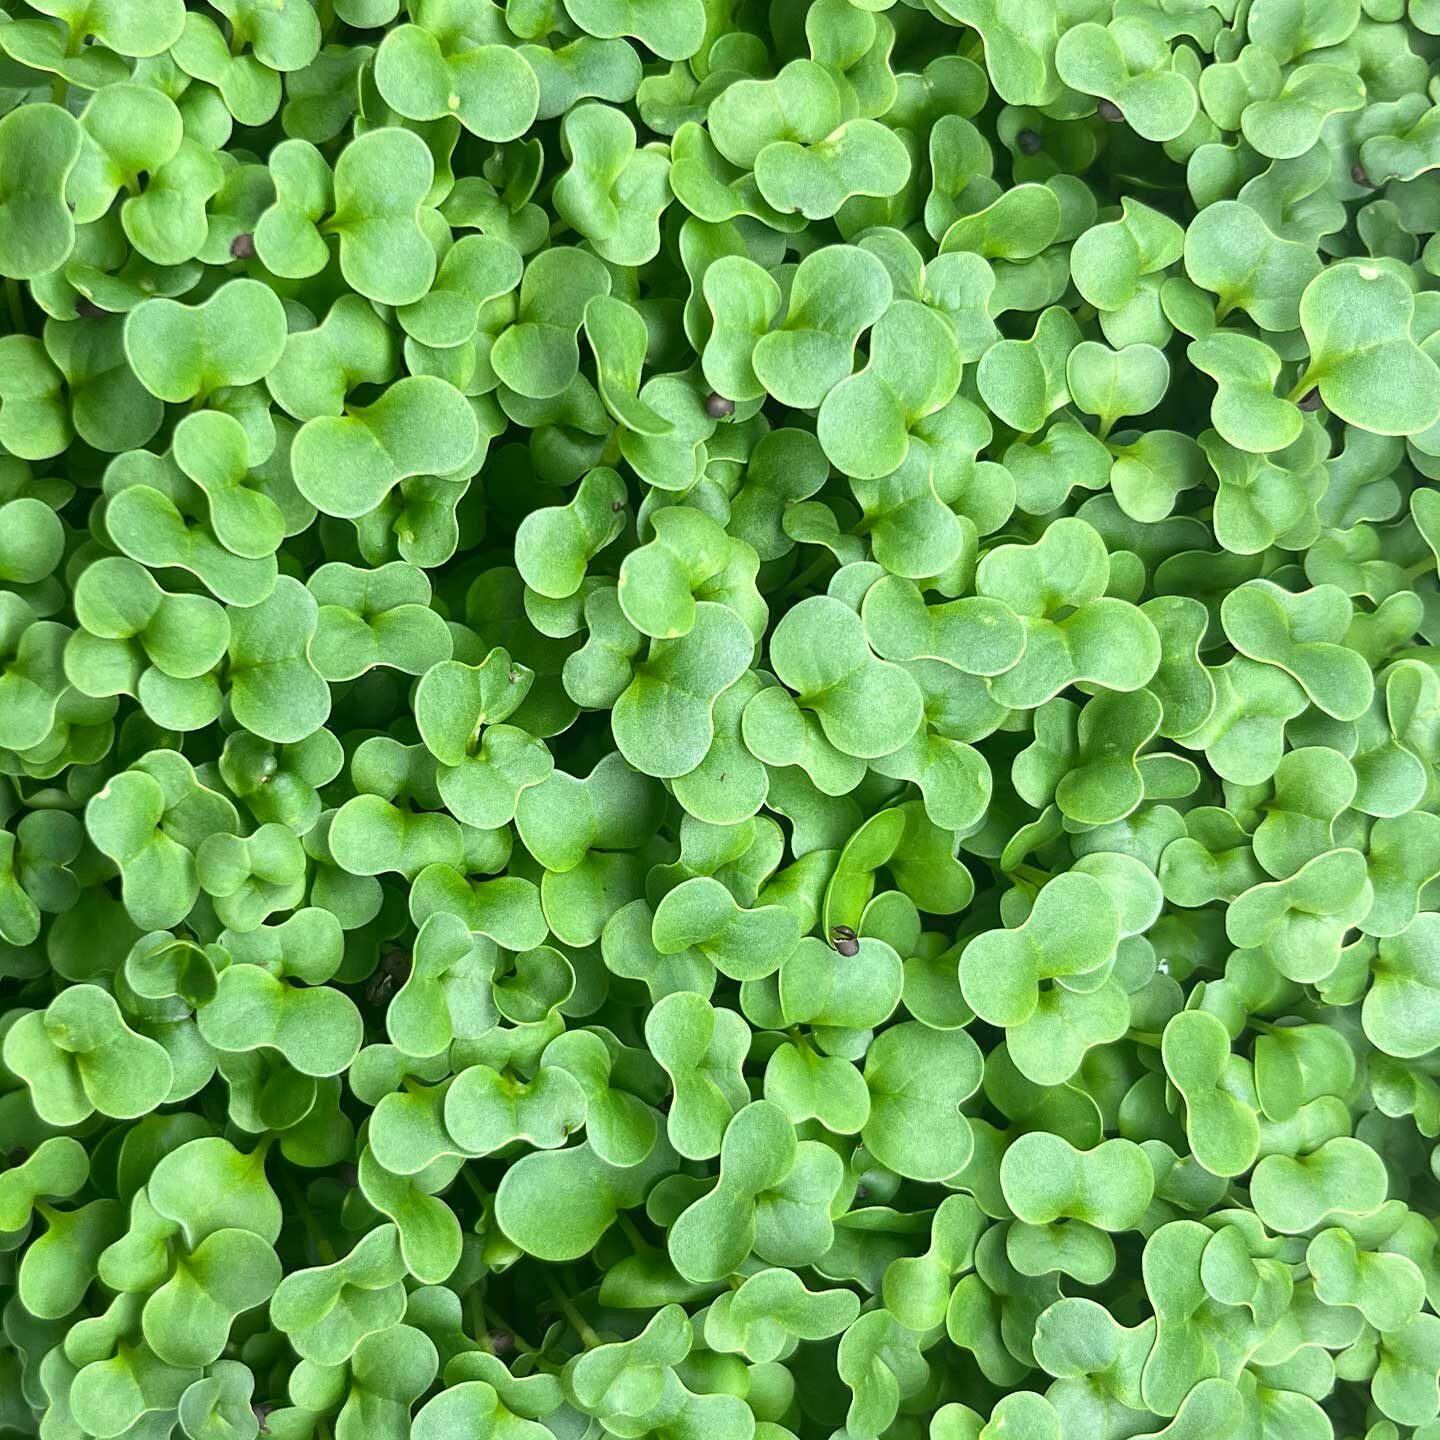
(719, 720)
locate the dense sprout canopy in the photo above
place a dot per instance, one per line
(719, 719)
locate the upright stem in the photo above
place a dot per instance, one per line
(499, 1322)
(578, 1322)
(59, 85)
(1302, 387)
(1031, 874)
(811, 572)
(16, 304)
(318, 1237)
(632, 1232)
(475, 1305)
(476, 1188)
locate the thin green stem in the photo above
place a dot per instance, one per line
(1144, 1037)
(588, 1338)
(499, 1322)
(1031, 874)
(811, 572)
(475, 1313)
(1302, 387)
(16, 304)
(475, 1187)
(59, 85)
(632, 1233)
(318, 1238)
